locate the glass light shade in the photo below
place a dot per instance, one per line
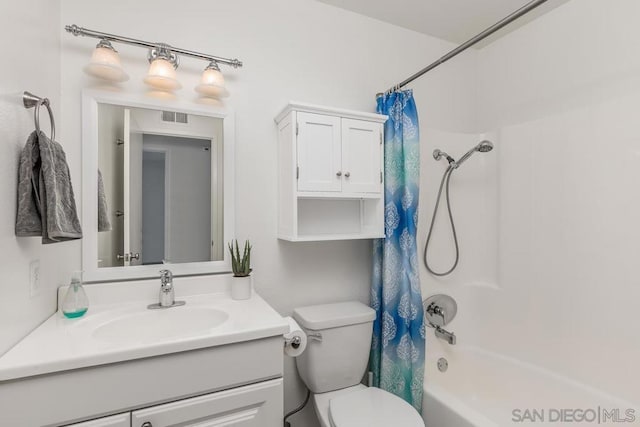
(105, 64)
(212, 84)
(162, 76)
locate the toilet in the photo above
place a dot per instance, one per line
(334, 363)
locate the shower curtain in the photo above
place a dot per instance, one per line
(398, 345)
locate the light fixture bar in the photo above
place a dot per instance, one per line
(79, 31)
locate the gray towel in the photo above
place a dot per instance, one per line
(46, 205)
(103, 211)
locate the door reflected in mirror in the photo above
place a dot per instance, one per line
(161, 199)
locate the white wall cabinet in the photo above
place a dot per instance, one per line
(319, 152)
(362, 157)
(330, 174)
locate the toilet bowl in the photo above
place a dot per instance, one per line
(334, 363)
(361, 406)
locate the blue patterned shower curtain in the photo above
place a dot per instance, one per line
(398, 346)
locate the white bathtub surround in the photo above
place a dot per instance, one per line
(547, 221)
(568, 213)
(119, 327)
(486, 389)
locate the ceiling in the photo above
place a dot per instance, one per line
(452, 20)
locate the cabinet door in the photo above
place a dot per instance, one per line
(256, 405)
(121, 420)
(319, 153)
(361, 156)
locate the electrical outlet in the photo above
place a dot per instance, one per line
(34, 277)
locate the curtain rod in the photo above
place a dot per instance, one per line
(79, 31)
(472, 41)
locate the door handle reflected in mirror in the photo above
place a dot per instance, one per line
(128, 257)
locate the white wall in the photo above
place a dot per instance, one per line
(292, 49)
(30, 46)
(563, 96)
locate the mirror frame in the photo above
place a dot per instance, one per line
(90, 100)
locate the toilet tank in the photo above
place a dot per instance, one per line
(339, 358)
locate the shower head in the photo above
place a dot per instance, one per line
(439, 154)
(483, 147)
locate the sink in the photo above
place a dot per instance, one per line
(149, 326)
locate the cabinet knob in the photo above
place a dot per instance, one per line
(339, 173)
(347, 174)
(147, 424)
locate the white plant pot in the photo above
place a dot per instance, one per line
(241, 287)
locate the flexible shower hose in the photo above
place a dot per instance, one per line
(446, 177)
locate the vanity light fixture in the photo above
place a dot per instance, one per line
(212, 82)
(105, 63)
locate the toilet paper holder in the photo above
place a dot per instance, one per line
(294, 342)
(297, 341)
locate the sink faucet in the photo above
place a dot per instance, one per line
(167, 294)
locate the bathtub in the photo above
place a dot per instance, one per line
(484, 389)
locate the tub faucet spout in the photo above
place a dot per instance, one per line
(449, 337)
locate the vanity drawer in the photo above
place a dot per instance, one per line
(258, 405)
(120, 420)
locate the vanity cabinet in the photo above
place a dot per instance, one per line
(330, 179)
(228, 385)
(255, 405)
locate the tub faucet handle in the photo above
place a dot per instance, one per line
(436, 314)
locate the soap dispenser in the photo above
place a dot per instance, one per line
(75, 302)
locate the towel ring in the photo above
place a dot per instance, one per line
(32, 101)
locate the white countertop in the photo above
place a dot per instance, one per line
(61, 344)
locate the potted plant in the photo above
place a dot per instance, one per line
(241, 266)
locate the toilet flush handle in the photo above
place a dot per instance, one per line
(317, 336)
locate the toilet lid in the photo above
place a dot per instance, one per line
(372, 407)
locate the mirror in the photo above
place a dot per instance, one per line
(161, 197)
